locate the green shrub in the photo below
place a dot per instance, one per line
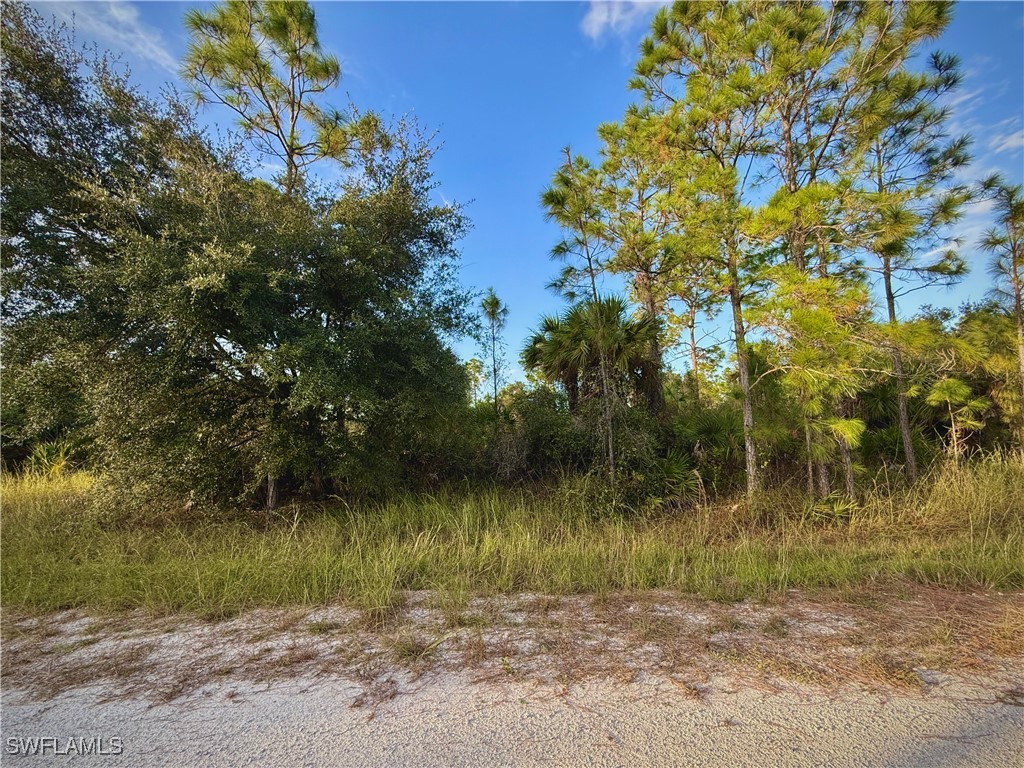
(963, 528)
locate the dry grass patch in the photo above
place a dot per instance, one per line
(886, 669)
(777, 626)
(888, 638)
(411, 648)
(323, 627)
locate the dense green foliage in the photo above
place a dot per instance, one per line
(200, 338)
(788, 162)
(206, 329)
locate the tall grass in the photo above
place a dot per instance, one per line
(964, 527)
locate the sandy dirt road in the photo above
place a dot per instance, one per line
(444, 719)
(925, 677)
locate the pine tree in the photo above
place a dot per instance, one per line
(638, 220)
(495, 316)
(1006, 242)
(262, 59)
(911, 200)
(573, 202)
(710, 51)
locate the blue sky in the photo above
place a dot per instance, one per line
(507, 85)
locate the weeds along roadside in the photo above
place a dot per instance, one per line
(963, 527)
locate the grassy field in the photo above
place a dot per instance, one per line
(962, 528)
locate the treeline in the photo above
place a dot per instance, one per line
(193, 332)
(200, 336)
(783, 160)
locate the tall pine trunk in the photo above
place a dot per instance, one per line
(694, 360)
(824, 481)
(1018, 311)
(810, 459)
(652, 389)
(606, 393)
(1020, 356)
(608, 425)
(494, 374)
(743, 366)
(847, 457)
(907, 437)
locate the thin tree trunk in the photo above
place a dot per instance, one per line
(810, 460)
(954, 435)
(847, 409)
(1020, 355)
(609, 429)
(797, 238)
(290, 184)
(494, 375)
(743, 364)
(694, 359)
(847, 456)
(798, 246)
(907, 437)
(318, 481)
(824, 482)
(1018, 311)
(652, 389)
(291, 174)
(909, 455)
(603, 364)
(606, 400)
(572, 392)
(271, 493)
(314, 437)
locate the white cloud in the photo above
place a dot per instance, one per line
(1011, 142)
(976, 220)
(965, 101)
(617, 18)
(971, 112)
(117, 26)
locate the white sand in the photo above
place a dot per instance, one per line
(445, 719)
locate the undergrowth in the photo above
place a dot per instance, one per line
(961, 528)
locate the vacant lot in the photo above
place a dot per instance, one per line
(523, 627)
(912, 676)
(66, 545)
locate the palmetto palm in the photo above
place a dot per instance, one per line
(568, 349)
(547, 353)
